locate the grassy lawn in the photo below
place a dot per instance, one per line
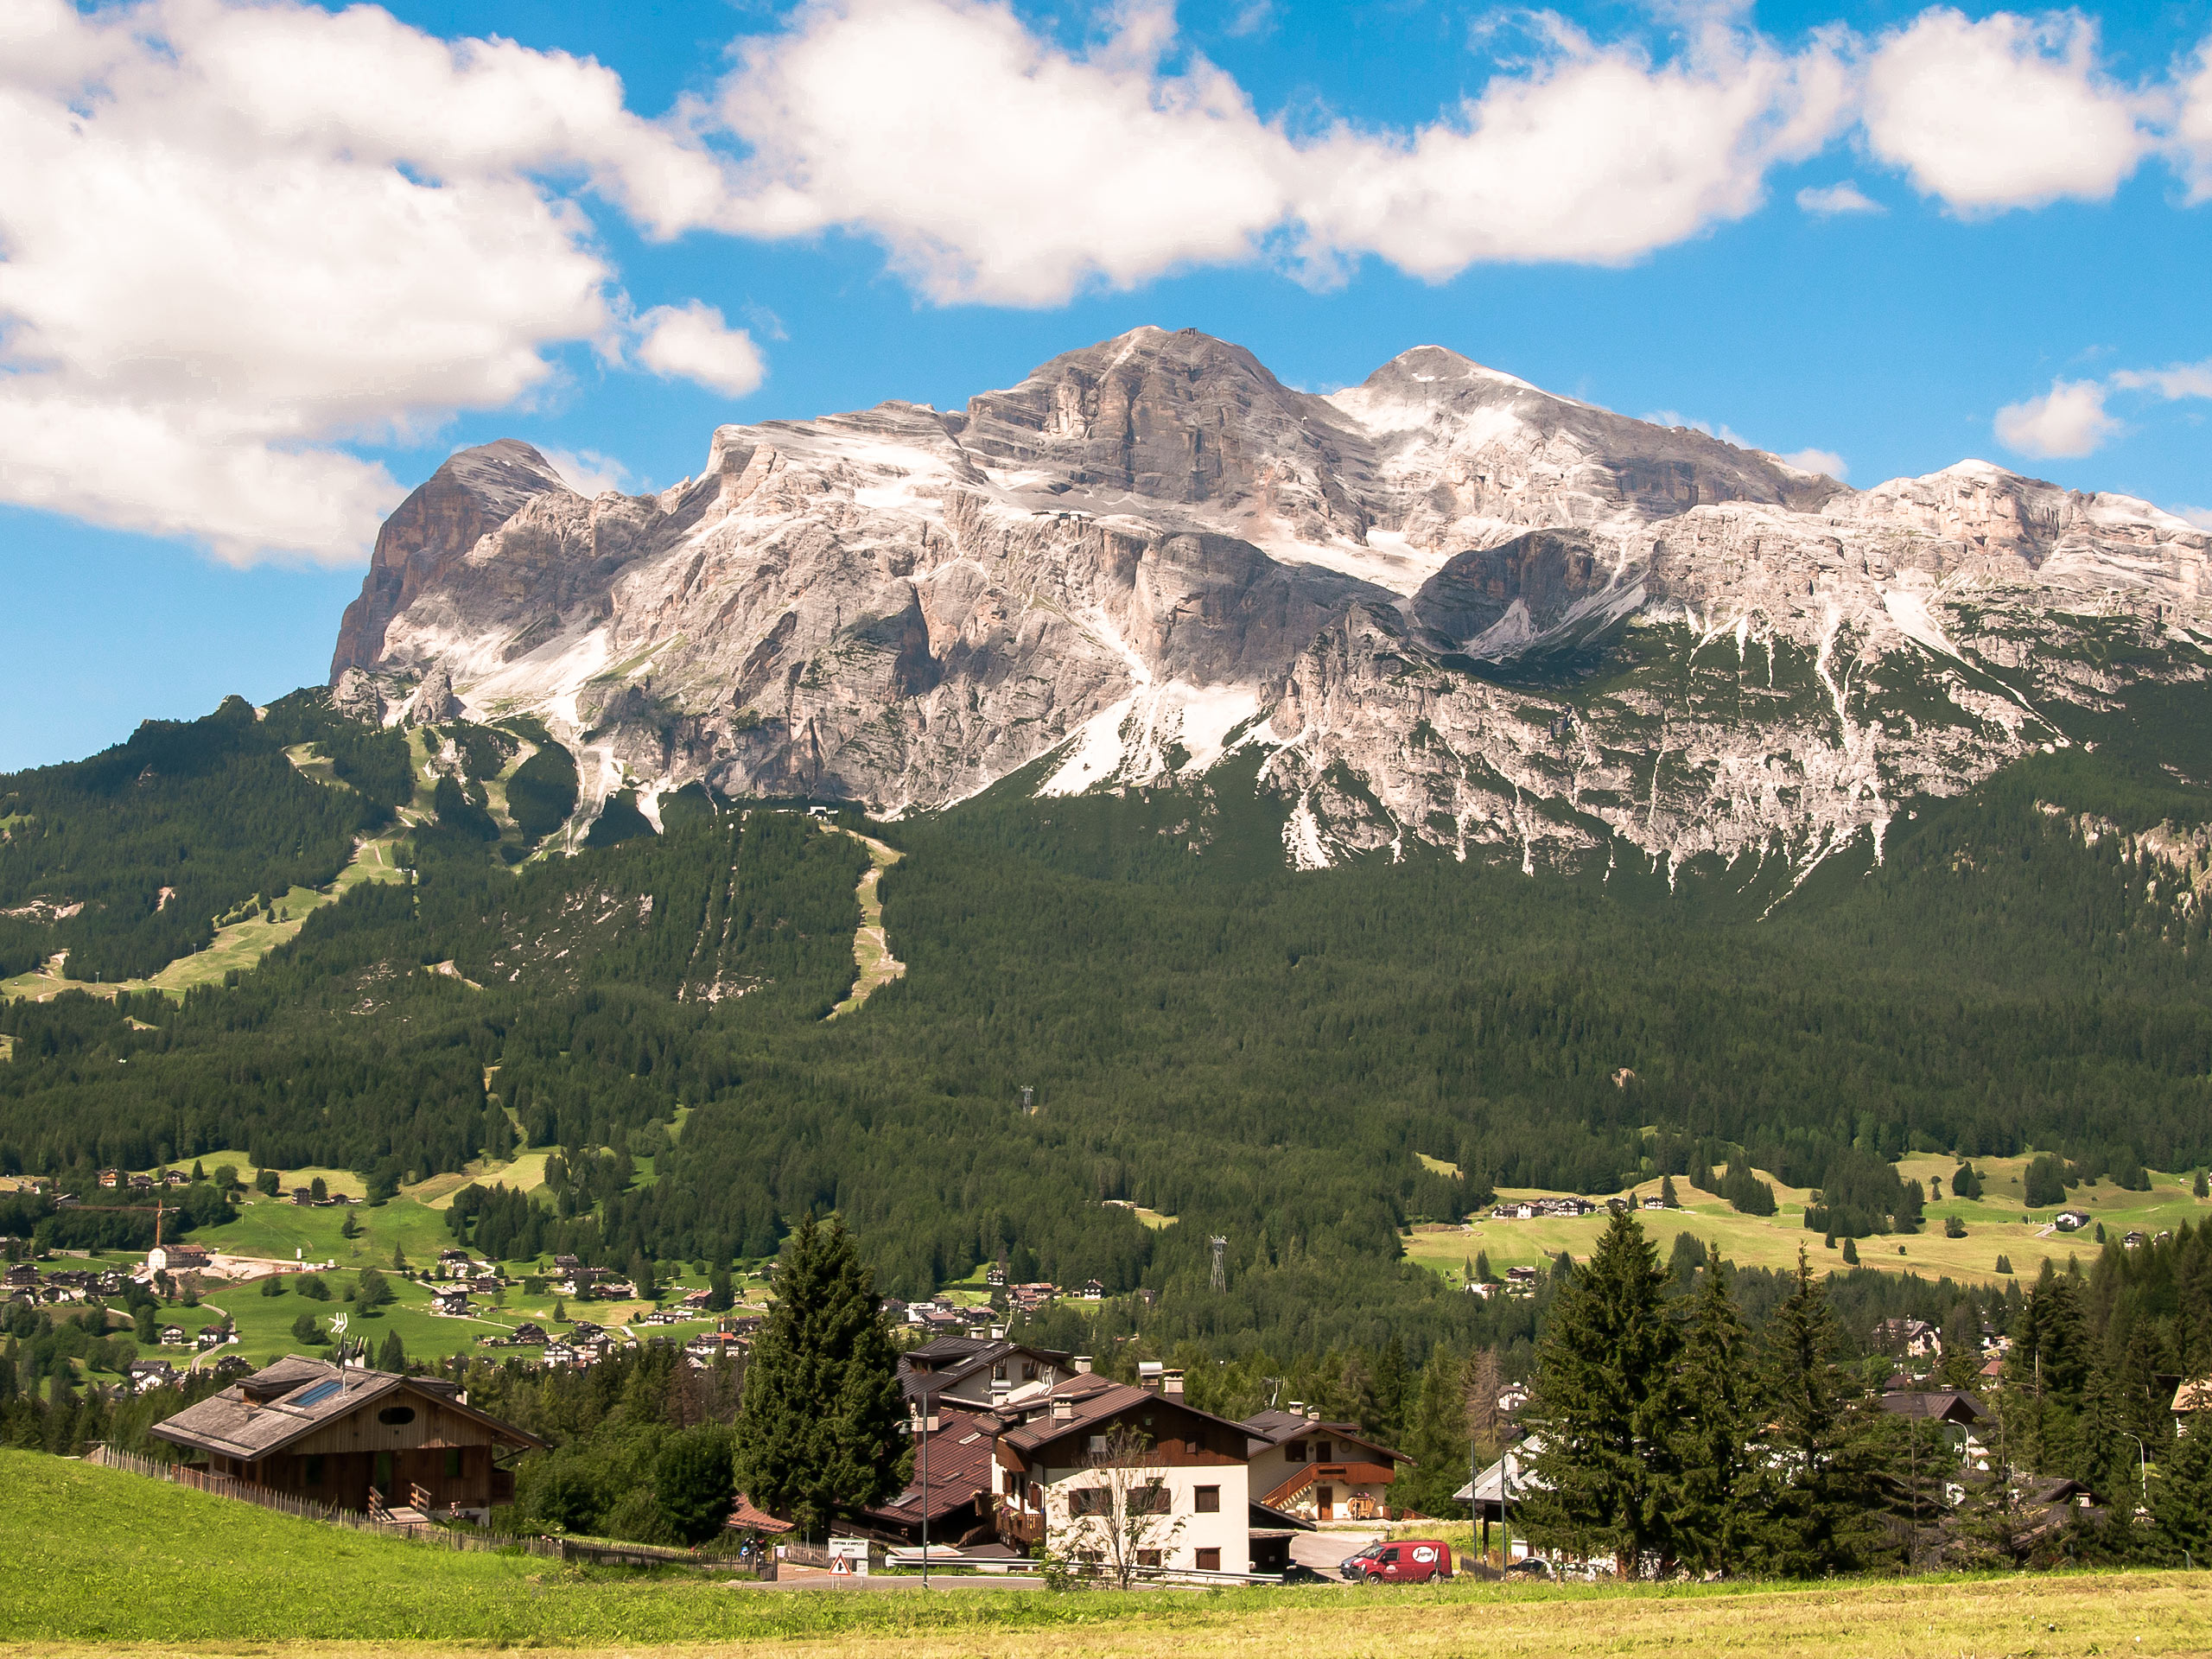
(102, 1561)
(1993, 1227)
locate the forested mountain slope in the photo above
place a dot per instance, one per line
(1265, 1054)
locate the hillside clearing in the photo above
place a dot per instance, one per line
(102, 1560)
(871, 949)
(1993, 1227)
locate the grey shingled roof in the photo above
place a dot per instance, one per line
(287, 1399)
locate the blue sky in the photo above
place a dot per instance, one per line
(270, 263)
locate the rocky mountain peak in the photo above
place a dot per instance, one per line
(472, 494)
(1151, 552)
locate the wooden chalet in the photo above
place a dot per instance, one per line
(1323, 1472)
(360, 1439)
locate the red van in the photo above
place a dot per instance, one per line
(1404, 1560)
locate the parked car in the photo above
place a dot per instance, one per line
(1299, 1572)
(1533, 1567)
(1405, 1560)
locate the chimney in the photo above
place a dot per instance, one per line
(1172, 1383)
(998, 1333)
(1063, 1411)
(1297, 1408)
(1148, 1372)
(1081, 1362)
(1313, 1413)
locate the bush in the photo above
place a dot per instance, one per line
(312, 1287)
(305, 1329)
(1954, 1228)
(1966, 1182)
(273, 1285)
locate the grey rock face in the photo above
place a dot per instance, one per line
(1152, 551)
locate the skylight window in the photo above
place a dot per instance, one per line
(318, 1394)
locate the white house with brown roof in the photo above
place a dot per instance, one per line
(1057, 1491)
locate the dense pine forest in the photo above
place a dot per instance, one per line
(1265, 1055)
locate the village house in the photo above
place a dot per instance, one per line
(1908, 1338)
(2191, 1399)
(355, 1437)
(110, 1178)
(174, 1336)
(142, 1183)
(147, 1374)
(176, 1258)
(1192, 1473)
(452, 1302)
(2071, 1221)
(976, 1373)
(1321, 1471)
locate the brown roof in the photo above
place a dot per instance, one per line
(960, 1467)
(296, 1396)
(1094, 1400)
(1949, 1405)
(1276, 1426)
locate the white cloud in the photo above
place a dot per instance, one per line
(2006, 112)
(1845, 198)
(2193, 128)
(2201, 517)
(993, 165)
(1675, 417)
(587, 472)
(2178, 381)
(1592, 154)
(692, 343)
(999, 166)
(238, 237)
(2066, 423)
(1818, 460)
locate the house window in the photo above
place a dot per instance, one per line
(1208, 1500)
(1321, 1451)
(1294, 1451)
(453, 1463)
(1028, 1370)
(1151, 1498)
(314, 1473)
(1147, 1558)
(1010, 1483)
(1091, 1500)
(1098, 1445)
(395, 1416)
(1209, 1561)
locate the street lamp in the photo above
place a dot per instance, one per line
(2145, 1458)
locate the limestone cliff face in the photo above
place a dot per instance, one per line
(1152, 552)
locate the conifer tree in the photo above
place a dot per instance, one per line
(721, 1297)
(2181, 1498)
(392, 1354)
(1667, 1192)
(1607, 1399)
(1818, 1490)
(820, 1429)
(1436, 1438)
(1719, 1407)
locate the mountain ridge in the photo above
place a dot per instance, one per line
(1150, 551)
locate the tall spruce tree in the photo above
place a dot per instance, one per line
(1607, 1399)
(819, 1432)
(2181, 1498)
(1436, 1438)
(1826, 1476)
(1720, 1411)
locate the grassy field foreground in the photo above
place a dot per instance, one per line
(104, 1561)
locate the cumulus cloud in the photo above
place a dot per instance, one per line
(1818, 460)
(238, 237)
(2201, 517)
(692, 343)
(2066, 423)
(2008, 111)
(1845, 198)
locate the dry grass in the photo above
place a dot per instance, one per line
(2147, 1614)
(871, 949)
